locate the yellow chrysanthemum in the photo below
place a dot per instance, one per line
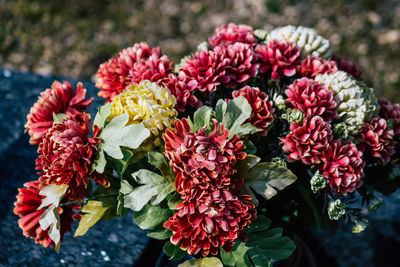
(148, 104)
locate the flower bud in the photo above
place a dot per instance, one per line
(260, 34)
(279, 161)
(359, 226)
(318, 182)
(293, 115)
(279, 102)
(336, 209)
(375, 204)
(340, 130)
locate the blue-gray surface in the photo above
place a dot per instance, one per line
(117, 242)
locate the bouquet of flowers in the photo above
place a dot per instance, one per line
(223, 156)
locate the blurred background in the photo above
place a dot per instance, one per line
(71, 38)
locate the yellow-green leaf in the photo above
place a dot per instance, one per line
(94, 211)
(202, 262)
(53, 194)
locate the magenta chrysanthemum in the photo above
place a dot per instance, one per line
(28, 200)
(343, 167)
(183, 88)
(200, 160)
(60, 98)
(155, 69)
(232, 33)
(262, 114)
(207, 68)
(278, 58)
(308, 141)
(112, 76)
(242, 63)
(311, 66)
(377, 139)
(348, 66)
(66, 155)
(312, 98)
(213, 220)
(390, 111)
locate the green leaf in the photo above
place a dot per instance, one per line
(117, 134)
(175, 253)
(58, 118)
(158, 160)
(266, 178)
(202, 262)
(305, 193)
(154, 188)
(201, 118)
(151, 217)
(237, 112)
(246, 129)
(237, 257)
(94, 211)
(174, 201)
(53, 194)
(120, 165)
(50, 220)
(102, 114)
(220, 110)
(100, 162)
(160, 234)
(261, 224)
(277, 249)
(250, 147)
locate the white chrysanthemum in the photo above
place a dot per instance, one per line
(306, 39)
(357, 102)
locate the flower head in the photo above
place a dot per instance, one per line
(213, 220)
(390, 111)
(308, 141)
(279, 58)
(262, 114)
(201, 160)
(348, 66)
(377, 139)
(66, 155)
(60, 98)
(232, 33)
(311, 66)
(343, 166)
(242, 63)
(155, 69)
(312, 98)
(113, 75)
(28, 200)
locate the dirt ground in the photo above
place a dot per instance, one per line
(71, 38)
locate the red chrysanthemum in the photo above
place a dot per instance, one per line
(377, 139)
(215, 219)
(207, 68)
(390, 111)
(308, 141)
(343, 167)
(312, 98)
(348, 66)
(311, 66)
(242, 63)
(200, 160)
(60, 98)
(183, 88)
(278, 58)
(28, 200)
(112, 76)
(66, 155)
(154, 69)
(262, 114)
(232, 33)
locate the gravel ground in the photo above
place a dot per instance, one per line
(71, 38)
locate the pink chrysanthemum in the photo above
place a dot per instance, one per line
(207, 68)
(312, 98)
(278, 58)
(390, 111)
(60, 98)
(112, 76)
(308, 141)
(232, 33)
(348, 66)
(311, 66)
(213, 220)
(66, 155)
(155, 69)
(377, 139)
(200, 160)
(262, 111)
(343, 167)
(183, 88)
(28, 200)
(242, 63)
